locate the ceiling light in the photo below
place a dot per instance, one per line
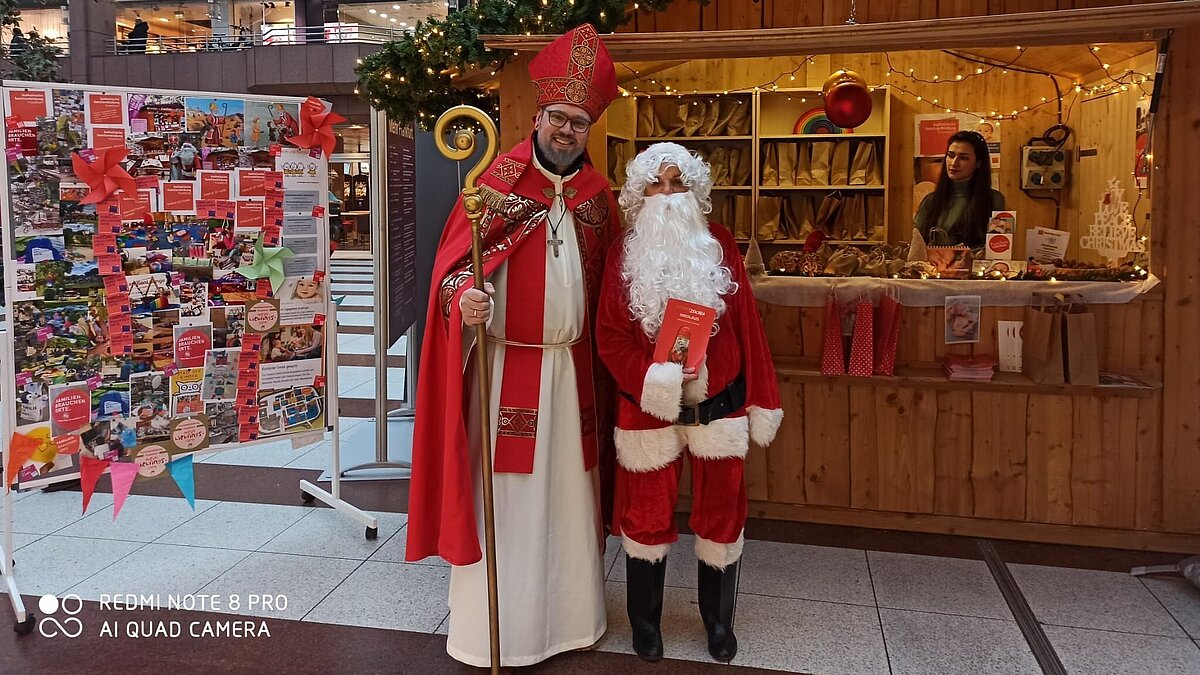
(164, 19)
(382, 15)
(393, 19)
(372, 10)
(403, 23)
(395, 6)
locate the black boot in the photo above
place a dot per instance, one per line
(718, 596)
(645, 601)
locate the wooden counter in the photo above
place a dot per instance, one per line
(1006, 459)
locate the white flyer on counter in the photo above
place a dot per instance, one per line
(1045, 245)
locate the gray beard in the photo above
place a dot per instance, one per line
(560, 158)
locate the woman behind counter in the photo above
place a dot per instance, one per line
(962, 204)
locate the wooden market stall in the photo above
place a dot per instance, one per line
(1114, 466)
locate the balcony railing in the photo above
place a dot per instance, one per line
(328, 34)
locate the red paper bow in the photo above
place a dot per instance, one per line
(105, 175)
(316, 126)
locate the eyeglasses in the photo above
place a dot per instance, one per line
(558, 119)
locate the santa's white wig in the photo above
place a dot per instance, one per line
(649, 165)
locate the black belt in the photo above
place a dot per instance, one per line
(723, 404)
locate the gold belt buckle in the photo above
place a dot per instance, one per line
(695, 415)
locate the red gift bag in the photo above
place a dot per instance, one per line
(832, 357)
(862, 346)
(887, 333)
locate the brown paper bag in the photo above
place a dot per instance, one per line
(743, 167)
(739, 121)
(726, 107)
(853, 218)
(769, 211)
(770, 165)
(875, 217)
(669, 116)
(797, 216)
(803, 161)
(743, 213)
(693, 116)
(787, 163)
(1079, 340)
(1042, 347)
(718, 161)
(839, 165)
(646, 120)
(712, 113)
(864, 171)
(822, 155)
(827, 214)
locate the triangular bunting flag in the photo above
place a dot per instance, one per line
(181, 471)
(90, 470)
(20, 449)
(123, 474)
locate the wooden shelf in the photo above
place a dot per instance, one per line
(733, 187)
(619, 137)
(827, 188)
(674, 139)
(932, 377)
(772, 242)
(794, 137)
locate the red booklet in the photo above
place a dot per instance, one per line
(683, 337)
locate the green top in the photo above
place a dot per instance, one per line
(955, 210)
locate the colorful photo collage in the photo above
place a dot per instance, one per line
(140, 321)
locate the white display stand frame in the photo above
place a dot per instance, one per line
(25, 619)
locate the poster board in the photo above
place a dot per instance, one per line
(401, 206)
(136, 331)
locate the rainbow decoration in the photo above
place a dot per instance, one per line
(815, 122)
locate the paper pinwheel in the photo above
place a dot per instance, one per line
(268, 263)
(105, 175)
(316, 126)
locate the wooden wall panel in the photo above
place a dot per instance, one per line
(906, 421)
(827, 444)
(782, 326)
(998, 467)
(865, 447)
(1049, 450)
(788, 13)
(953, 447)
(785, 477)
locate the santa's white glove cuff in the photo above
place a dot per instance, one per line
(764, 424)
(662, 391)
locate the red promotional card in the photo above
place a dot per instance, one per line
(179, 196)
(683, 337)
(147, 182)
(226, 208)
(214, 184)
(274, 217)
(134, 207)
(274, 198)
(105, 109)
(252, 182)
(109, 223)
(935, 134)
(67, 444)
(206, 208)
(107, 137)
(109, 263)
(274, 180)
(21, 141)
(103, 243)
(28, 106)
(250, 215)
(116, 285)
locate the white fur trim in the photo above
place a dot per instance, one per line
(647, 449)
(651, 553)
(764, 424)
(662, 391)
(697, 390)
(719, 555)
(719, 439)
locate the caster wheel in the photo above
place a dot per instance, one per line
(25, 627)
(372, 533)
(307, 498)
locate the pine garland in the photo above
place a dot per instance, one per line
(409, 78)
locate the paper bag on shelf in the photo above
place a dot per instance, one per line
(853, 217)
(875, 217)
(839, 165)
(827, 214)
(647, 121)
(798, 216)
(803, 164)
(864, 170)
(693, 116)
(769, 209)
(726, 106)
(712, 113)
(739, 121)
(1042, 358)
(670, 117)
(744, 213)
(718, 161)
(770, 165)
(822, 155)
(743, 167)
(787, 163)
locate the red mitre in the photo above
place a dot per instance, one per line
(577, 69)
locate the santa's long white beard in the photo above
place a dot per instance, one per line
(671, 254)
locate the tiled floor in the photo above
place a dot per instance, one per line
(801, 608)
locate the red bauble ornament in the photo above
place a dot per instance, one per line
(847, 99)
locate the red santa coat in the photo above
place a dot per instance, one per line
(646, 437)
(441, 507)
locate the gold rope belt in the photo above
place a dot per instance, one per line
(553, 345)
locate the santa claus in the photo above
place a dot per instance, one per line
(667, 411)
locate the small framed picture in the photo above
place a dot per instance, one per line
(962, 318)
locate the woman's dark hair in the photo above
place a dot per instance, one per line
(979, 193)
